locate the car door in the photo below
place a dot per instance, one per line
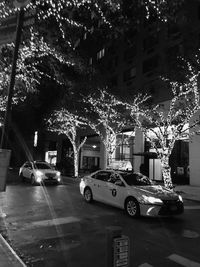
(99, 181)
(115, 191)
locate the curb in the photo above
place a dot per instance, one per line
(10, 256)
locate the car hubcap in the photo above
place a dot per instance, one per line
(87, 195)
(131, 208)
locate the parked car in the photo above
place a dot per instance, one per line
(134, 192)
(38, 172)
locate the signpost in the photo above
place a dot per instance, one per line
(5, 153)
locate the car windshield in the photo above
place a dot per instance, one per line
(42, 165)
(136, 179)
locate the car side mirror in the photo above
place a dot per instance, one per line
(119, 183)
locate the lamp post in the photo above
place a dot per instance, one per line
(19, 4)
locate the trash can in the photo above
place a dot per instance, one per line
(4, 164)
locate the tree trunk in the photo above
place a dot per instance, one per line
(75, 164)
(166, 172)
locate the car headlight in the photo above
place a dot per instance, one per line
(58, 173)
(39, 173)
(180, 198)
(151, 200)
(39, 179)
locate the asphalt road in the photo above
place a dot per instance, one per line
(54, 226)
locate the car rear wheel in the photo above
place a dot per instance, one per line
(132, 207)
(88, 195)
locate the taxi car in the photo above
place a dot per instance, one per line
(38, 172)
(132, 191)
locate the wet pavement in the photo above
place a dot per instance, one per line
(70, 239)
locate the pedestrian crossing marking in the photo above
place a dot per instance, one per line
(53, 222)
(145, 265)
(183, 261)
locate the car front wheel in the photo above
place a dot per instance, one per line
(88, 195)
(132, 207)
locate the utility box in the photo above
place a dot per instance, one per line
(4, 164)
(121, 251)
(118, 248)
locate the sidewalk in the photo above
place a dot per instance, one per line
(188, 192)
(8, 257)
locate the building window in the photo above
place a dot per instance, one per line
(130, 53)
(113, 81)
(101, 54)
(125, 143)
(174, 31)
(199, 12)
(90, 163)
(150, 41)
(90, 61)
(130, 74)
(150, 64)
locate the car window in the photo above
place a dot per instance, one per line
(103, 176)
(114, 177)
(136, 179)
(42, 165)
(28, 165)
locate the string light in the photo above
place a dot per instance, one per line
(163, 126)
(64, 122)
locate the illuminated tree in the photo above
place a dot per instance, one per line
(108, 117)
(66, 123)
(60, 26)
(164, 125)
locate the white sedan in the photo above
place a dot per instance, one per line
(134, 192)
(38, 172)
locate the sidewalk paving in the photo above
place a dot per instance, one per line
(9, 258)
(188, 192)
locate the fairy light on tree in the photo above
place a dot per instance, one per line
(66, 123)
(109, 117)
(162, 126)
(105, 118)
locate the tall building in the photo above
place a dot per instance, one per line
(134, 63)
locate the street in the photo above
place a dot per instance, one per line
(54, 226)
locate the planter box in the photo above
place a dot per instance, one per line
(4, 164)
